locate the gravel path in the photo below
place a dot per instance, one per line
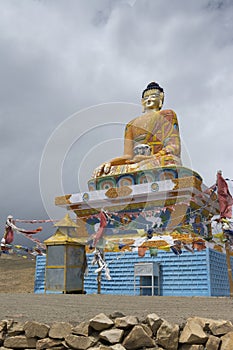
(75, 308)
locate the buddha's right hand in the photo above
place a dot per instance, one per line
(103, 168)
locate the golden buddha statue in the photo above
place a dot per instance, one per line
(151, 140)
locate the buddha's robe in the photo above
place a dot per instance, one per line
(157, 129)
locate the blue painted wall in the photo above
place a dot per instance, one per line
(203, 273)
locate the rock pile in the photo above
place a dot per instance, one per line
(118, 332)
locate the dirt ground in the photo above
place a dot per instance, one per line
(18, 301)
(16, 274)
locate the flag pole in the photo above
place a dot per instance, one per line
(225, 206)
(99, 282)
(229, 269)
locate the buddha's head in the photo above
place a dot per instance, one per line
(153, 97)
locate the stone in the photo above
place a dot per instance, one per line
(20, 341)
(101, 347)
(17, 328)
(192, 347)
(81, 329)
(59, 330)
(147, 329)
(9, 322)
(138, 338)
(58, 347)
(193, 333)
(116, 314)
(117, 347)
(2, 337)
(126, 322)
(227, 341)
(80, 342)
(212, 343)
(154, 321)
(3, 326)
(112, 336)
(35, 329)
(216, 327)
(220, 327)
(101, 322)
(47, 343)
(168, 336)
(156, 347)
(196, 334)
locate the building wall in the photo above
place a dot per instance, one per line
(203, 273)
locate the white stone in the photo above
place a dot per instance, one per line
(112, 336)
(101, 322)
(138, 338)
(193, 333)
(59, 330)
(168, 335)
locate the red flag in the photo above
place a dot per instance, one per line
(9, 235)
(103, 224)
(224, 197)
(30, 232)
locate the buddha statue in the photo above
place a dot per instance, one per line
(151, 140)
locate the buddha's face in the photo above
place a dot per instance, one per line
(152, 99)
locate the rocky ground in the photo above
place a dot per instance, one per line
(18, 301)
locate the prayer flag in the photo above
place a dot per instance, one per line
(224, 197)
(103, 224)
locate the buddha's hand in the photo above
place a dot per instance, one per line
(102, 169)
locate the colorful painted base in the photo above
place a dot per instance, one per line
(141, 177)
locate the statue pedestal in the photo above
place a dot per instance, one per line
(139, 177)
(164, 197)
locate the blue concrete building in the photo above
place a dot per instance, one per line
(203, 273)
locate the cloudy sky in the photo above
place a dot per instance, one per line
(67, 65)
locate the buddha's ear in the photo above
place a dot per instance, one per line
(161, 100)
(143, 106)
